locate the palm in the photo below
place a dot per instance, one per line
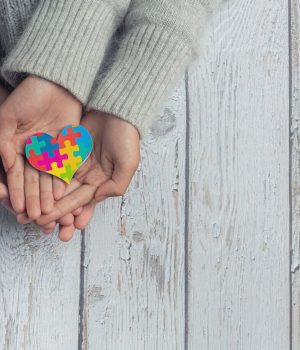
(36, 105)
(39, 106)
(110, 167)
(98, 168)
(109, 150)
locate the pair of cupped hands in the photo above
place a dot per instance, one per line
(38, 105)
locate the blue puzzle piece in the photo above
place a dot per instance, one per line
(37, 143)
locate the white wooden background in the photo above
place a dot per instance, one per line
(203, 252)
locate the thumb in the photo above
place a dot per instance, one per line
(7, 149)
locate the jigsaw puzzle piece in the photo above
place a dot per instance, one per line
(68, 174)
(35, 159)
(72, 161)
(48, 161)
(35, 143)
(69, 133)
(85, 144)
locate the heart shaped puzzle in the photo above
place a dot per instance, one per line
(60, 157)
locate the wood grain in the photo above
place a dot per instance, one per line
(39, 289)
(134, 277)
(123, 286)
(295, 168)
(239, 181)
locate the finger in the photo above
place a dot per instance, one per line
(66, 233)
(15, 182)
(82, 220)
(78, 211)
(83, 195)
(47, 229)
(118, 184)
(46, 193)
(23, 219)
(72, 186)
(32, 192)
(66, 220)
(7, 132)
(59, 188)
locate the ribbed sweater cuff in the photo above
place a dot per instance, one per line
(148, 61)
(64, 42)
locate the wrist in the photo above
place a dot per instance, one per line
(114, 121)
(57, 93)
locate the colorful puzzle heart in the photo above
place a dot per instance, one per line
(60, 157)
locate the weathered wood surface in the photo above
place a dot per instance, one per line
(134, 259)
(196, 255)
(295, 167)
(238, 287)
(39, 289)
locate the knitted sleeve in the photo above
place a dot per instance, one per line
(65, 42)
(160, 39)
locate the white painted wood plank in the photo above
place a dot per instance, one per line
(39, 289)
(134, 276)
(295, 186)
(239, 181)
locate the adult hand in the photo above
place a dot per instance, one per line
(68, 223)
(109, 169)
(35, 105)
(4, 195)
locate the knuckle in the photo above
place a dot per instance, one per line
(19, 174)
(46, 193)
(34, 215)
(32, 179)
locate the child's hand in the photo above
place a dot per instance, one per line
(35, 105)
(67, 227)
(109, 169)
(78, 219)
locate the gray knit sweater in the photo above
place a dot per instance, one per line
(70, 42)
